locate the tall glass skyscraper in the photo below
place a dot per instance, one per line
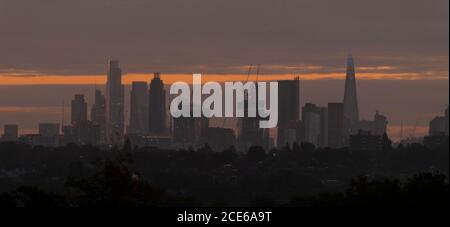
(157, 106)
(138, 108)
(114, 104)
(351, 112)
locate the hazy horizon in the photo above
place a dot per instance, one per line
(46, 107)
(401, 53)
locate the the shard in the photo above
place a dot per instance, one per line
(351, 113)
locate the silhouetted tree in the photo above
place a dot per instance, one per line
(116, 185)
(427, 188)
(256, 154)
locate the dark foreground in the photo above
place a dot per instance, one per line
(301, 176)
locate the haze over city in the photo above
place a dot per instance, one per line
(226, 111)
(62, 47)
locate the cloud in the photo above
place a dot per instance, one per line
(217, 36)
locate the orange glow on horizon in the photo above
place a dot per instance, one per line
(171, 78)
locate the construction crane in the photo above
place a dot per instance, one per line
(413, 133)
(246, 80)
(401, 131)
(238, 122)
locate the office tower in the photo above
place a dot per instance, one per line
(336, 125)
(312, 128)
(10, 132)
(288, 111)
(380, 124)
(437, 126)
(48, 134)
(78, 110)
(311, 123)
(323, 136)
(315, 125)
(68, 135)
(187, 130)
(157, 106)
(366, 141)
(250, 134)
(98, 114)
(435, 142)
(114, 104)
(138, 108)
(48, 129)
(351, 113)
(377, 126)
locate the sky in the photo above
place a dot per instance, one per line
(401, 48)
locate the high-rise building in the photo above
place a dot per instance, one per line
(351, 112)
(10, 132)
(98, 114)
(438, 132)
(138, 108)
(366, 141)
(336, 125)
(114, 104)
(311, 127)
(288, 110)
(157, 106)
(187, 130)
(84, 133)
(377, 126)
(49, 129)
(78, 110)
(315, 125)
(81, 131)
(48, 134)
(437, 126)
(250, 134)
(380, 124)
(323, 137)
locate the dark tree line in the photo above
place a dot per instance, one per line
(300, 175)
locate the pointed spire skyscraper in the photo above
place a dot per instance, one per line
(351, 113)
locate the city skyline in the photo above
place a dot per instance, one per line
(138, 110)
(223, 111)
(420, 127)
(61, 47)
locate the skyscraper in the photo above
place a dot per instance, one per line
(49, 129)
(380, 124)
(187, 130)
(157, 106)
(78, 110)
(288, 110)
(48, 134)
(437, 126)
(335, 125)
(138, 108)
(250, 134)
(98, 114)
(315, 124)
(10, 132)
(323, 137)
(351, 113)
(115, 103)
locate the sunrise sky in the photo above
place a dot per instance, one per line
(401, 53)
